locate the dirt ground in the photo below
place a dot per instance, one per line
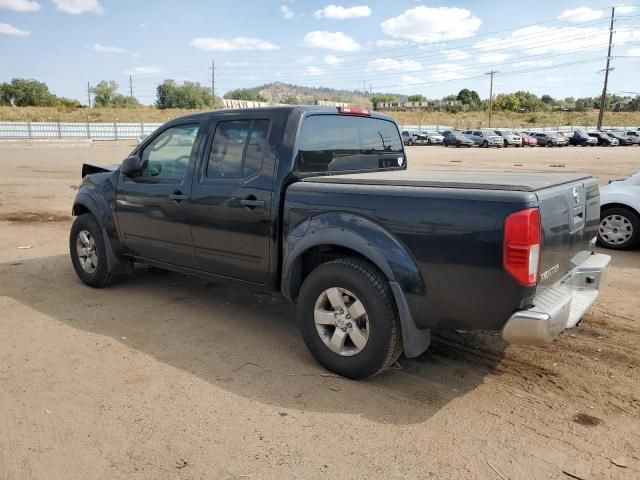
(165, 376)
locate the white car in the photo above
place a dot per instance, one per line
(510, 138)
(434, 138)
(620, 213)
(484, 138)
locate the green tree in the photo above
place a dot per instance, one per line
(190, 95)
(26, 93)
(508, 102)
(584, 104)
(470, 98)
(104, 93)
(416, 98)
(634, 104)
(548, 100)
(245, 94)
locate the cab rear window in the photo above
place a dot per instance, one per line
(334, 143)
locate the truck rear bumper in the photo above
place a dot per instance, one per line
(559, 306)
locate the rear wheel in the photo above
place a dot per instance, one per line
(485, 144)
(348, 318)
(88, 252)
(619, 228)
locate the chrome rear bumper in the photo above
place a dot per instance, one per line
(559, 306)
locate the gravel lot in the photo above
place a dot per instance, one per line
(165, 376)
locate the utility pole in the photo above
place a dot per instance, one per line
(89, 94)
(213, 83)
(364, 87)
(606, 71)
(131, 86)
(492, 73)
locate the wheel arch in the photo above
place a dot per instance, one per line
(328, 236)
(86, 203)
(626, 206)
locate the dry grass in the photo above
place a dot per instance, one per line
(460, 120)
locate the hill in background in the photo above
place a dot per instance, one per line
(285, 93)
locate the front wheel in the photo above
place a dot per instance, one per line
(88, 252)
(619, 228)
(348, 318)
(485, 144)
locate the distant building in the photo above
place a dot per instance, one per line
(621, 106)
(426, 105)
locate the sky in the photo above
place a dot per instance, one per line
(401, 46)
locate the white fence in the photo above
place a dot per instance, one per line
(80, 130)
(125, 131)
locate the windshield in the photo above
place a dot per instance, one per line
(333, 143)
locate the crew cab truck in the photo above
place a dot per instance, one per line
(317, 203)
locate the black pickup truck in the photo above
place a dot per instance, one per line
(317, 203)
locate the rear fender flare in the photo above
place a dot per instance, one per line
(374, 243)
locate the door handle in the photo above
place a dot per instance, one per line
(251, 202)
(177, 197)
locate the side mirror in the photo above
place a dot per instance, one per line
(131, 165)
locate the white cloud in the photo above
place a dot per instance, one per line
(444, 72)
(558, 39)
(390, 43)
(76, 7)
(313, 71)
(229, 44)
(535, 63)
(333, 60)
(96, 47)
(634, 52)
(552, 79)
(624, 8)
(494, 58)
(385, 64)
(6, 29)
(581, 14)
(331, 40)
(337, 12)
(428, 25)
(236, 64)
(411, 80)
(306, 59)
(287, 13)
(20, 5)
(456, 55)
(147, 70)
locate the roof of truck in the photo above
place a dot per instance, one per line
(279, 108)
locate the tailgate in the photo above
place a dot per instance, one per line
(570, 214)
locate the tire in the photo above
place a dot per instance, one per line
(87, 234)
(506, 144)
(359, 280)
(485, 144)
(619, 228)
(428, 141)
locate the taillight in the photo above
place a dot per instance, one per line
(354, 111)
(521, 245)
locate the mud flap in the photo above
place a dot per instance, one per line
(415, 341)
(114, 264)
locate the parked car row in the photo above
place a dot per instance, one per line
(504, 138)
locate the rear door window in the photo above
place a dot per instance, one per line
(238, 149)
(332, 143)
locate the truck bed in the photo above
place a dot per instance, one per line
(486, 180)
